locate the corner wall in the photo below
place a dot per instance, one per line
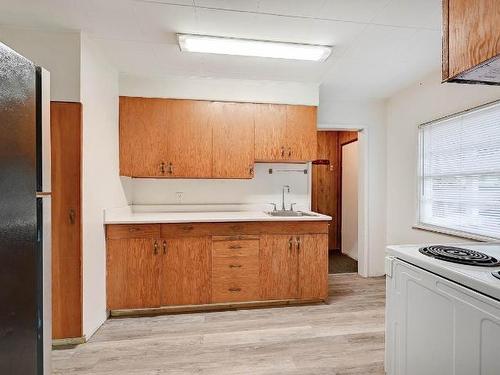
(424, 101)
(102, 186)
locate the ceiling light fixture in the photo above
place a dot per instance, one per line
(255, 48)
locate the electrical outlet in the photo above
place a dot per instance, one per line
(180, 196)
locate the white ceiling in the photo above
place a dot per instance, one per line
(380, 45)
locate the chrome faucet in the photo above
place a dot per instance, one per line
(287, 188)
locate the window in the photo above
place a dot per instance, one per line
(459, 173)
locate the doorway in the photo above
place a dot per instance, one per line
(335, 193)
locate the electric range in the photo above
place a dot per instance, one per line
(443, 309)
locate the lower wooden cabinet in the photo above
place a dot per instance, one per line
(186, 269)
(133, 273)
(170, 268)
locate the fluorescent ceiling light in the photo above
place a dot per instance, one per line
(249, 47)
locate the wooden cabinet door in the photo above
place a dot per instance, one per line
(233, 139)
(189, 141)
(301, 133)
(66, 131)
(186, 270)
(313, 266)
(143, 136)
(133, 273)
(278, 267)
(270, 132)
(471, 33)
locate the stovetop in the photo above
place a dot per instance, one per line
(460, 255)
(475, 265)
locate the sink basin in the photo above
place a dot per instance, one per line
(289, 213)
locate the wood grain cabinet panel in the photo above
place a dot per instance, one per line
(232, 139)
(186, 271)
(189, 139)
(133, 273)
(313, 266)
(270, 132)
(278, 267)
(301, 132)
(66, 132)
(471, 36)
(143, 137)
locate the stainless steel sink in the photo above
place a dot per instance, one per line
(288, 213)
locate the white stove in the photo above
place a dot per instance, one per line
(443, 309)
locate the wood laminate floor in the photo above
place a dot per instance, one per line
(345, 336)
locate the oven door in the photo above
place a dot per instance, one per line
(434, 326)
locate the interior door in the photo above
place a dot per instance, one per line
(233, 139)
(143, 137)
(301, 130)
(189, 141)
(313, 265)
(133, 273)
(278, 267)
(66, 141)
(186, 269)
(270, 132)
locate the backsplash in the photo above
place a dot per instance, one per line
(262, 189)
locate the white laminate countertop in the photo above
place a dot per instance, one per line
(131, 215)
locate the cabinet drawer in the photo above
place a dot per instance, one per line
(221, 249)
(235, 267)
(235, 289)
(121, 231)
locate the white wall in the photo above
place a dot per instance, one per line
(424, 101)
(369, 115)
(220, 89)
(262, 189)
(57, 52)
(102, 186)
(349, 227)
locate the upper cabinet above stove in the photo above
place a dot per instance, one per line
(173, 138)
(471, 41)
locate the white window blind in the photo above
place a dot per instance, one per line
(459, 174)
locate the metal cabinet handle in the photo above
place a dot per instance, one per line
(188, 227)
(290, 243)
(235, 266)
(162, 168)
(298, 243)
(72, 216)
(251, 170)
(155, 248)
(282, 151)
(234, 289)
(289, 151)
(170, 168)
(234, 247)
(164, 247)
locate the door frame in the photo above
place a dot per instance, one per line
(363, 183)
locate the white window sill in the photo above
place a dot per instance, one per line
(454, 233)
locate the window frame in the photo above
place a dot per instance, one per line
(420, 162)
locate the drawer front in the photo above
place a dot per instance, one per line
(239, 248)
(236, 267)
(235, 289)
(122, 231)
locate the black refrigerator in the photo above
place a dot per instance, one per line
(25, 274)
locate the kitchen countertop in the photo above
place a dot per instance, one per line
(130, 215)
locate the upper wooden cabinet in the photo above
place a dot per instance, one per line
(285, 132)
(233, 138)
(471, 41)
(143, 137)
(202, 139)
(189, 141)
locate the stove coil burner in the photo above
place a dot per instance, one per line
(496, 274)
(460, 255)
